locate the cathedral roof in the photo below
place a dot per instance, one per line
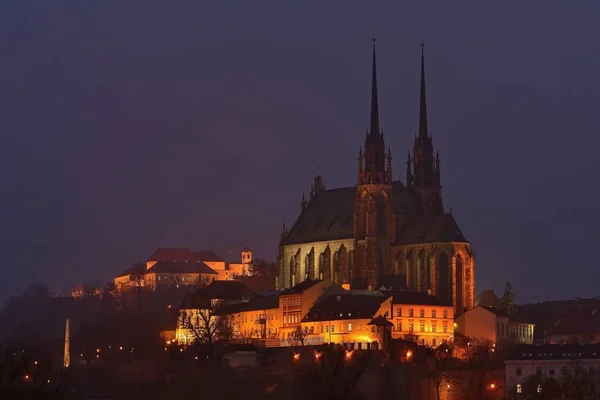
(424, 229)
(330, 214)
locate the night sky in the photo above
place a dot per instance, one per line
(126, 126)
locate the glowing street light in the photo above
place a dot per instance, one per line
(296, 356)
(348, 354)
(408, 354)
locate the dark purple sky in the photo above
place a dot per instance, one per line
(124, 128)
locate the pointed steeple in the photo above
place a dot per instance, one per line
(374, 127)
(423, 104)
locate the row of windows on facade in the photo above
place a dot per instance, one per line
(552, 370)
(185, 278)
(411, 313)
(520, 330)
(411, 326)
(257, 317)
(291, 303)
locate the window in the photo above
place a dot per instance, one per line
(332, 328)
(358, 327)
(422, 326)
(349, 327)
(399, 312)
(519, 388)
(411, 327)
(551, 370)
(433, 313)
(399, 325)
(445, 327)
(538, 371)
(321, 328)
(445, 313)
(410, 312)
(519, 371)
(422, 313)
(539, 388)
(327, 328)
(433, 326)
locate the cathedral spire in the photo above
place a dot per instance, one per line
(423, 104)
(374, 128)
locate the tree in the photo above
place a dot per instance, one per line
(508, 299)
(262, 267)
(333, 374)
(577, 383)
(204, 325)
(436, 372)
(477, 354)
(299, 335)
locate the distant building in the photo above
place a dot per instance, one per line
(176, 268)
(549, 361)
(487, 298)
(358, 235)
(489, 323)
(580, 324)
(258, 318)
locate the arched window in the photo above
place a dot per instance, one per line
(321, 265)
(327, 263)
(421, 271)
(459, 284)
(343, 265)
(292, 271)
(410, 270)
(444, 281)
(398, 268)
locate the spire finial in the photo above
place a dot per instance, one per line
(423, 104)
(374, 103)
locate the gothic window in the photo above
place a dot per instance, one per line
(398, 270)
(350, 265)
(321, 265)
(381, 202)
(421, 271)
(307, 267)
(459, 284)
(292, 272)
(444, 282)
(410, 270)
(327, 263)
(343, 265)
(336, 266)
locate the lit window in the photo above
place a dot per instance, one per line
(519, 388)
(539, 388)
(411, 327)
(399, 312)
(422, 313)
(433, 326)
(410, 312)
(422, 326)
(433, 313)
(399, 325)
(445, 313)
(445, 327)
(349, 327)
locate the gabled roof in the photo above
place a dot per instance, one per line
(345, 306)
(172, 254)
(134, 270)
(207, 255)
(301, 287)
(425, 229)
(226, 290)
(183, 254)
(258, 283)
(416, 298)
(556, 352)
(174, 267)
(487, 297)
(329, 215)
(581, 319)
(258, 303)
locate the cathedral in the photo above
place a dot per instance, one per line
(382, 232)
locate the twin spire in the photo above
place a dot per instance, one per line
(374, 128)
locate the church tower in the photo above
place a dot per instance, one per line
(373, 217)
(423, 169)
